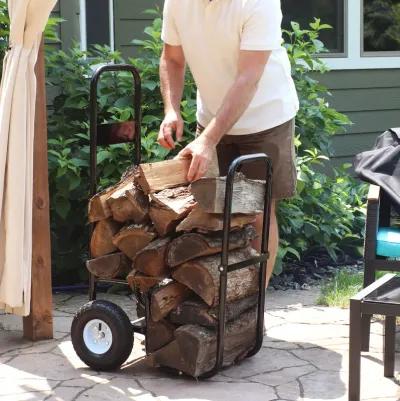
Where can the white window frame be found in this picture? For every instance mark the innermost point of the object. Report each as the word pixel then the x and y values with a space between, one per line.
pixel 82 23
pixel 356 58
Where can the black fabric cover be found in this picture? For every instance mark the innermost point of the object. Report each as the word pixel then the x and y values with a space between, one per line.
pixel 381 165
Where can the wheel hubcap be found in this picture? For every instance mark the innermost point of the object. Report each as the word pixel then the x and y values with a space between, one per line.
pixel 97 336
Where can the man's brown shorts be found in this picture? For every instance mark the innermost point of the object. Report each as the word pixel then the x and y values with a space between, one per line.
pixel 277 142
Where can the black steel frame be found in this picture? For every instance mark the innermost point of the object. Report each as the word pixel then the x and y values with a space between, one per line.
pixel 93 110
pixel 359 307
pixel 225 267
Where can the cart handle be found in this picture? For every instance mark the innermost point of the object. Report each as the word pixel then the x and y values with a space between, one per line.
pixel 225 268
pixel 93 109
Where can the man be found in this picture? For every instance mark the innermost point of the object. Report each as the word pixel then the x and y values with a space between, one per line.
pixel 246 99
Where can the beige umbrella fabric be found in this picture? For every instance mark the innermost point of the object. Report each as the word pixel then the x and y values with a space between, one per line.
pixel 17 115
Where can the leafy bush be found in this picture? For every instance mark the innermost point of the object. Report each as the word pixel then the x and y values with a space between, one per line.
pixel 69 73
pixel 327 211
pixel 4 30
pixel 306 221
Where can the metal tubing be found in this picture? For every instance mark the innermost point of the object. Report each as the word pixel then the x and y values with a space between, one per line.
pixel 355 337
pixel 94 115
pixel 225 268
pixel 93 112
pixel 389 345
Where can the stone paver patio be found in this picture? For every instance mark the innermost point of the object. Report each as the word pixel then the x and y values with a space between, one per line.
pixel 304 357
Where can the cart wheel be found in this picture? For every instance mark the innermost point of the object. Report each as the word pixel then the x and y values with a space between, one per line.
pixel 102 335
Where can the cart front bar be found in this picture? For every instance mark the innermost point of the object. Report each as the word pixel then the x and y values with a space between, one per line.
pixel 262 259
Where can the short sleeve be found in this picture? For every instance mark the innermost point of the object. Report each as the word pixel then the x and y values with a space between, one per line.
pixel 169 33
pixel 262 25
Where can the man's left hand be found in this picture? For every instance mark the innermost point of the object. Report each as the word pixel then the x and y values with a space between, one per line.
pixel 201 150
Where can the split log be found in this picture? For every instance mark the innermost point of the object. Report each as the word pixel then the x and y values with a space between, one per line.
pixel 151 260
pixel 202 277
pixel 158 334
pixel 101 242
pixel 204 222
pixel 129 203
pixel 154 177
pixel 109 266
pixel 141 282
pixel 195 347
pixel 99 209
pixel 248 195
pixel 133 238
pixel 191 246
pixel 198 312
pixel 169 207
pixel 166 298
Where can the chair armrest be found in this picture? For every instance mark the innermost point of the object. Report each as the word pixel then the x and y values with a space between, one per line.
pixel 371 230
pixel 374 193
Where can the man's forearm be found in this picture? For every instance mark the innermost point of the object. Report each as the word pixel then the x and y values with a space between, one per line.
pixel 172 77
pixel 235 103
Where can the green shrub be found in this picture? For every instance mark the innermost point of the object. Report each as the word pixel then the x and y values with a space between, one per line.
pixel 327 211
pixel 4 30
pixel 306 221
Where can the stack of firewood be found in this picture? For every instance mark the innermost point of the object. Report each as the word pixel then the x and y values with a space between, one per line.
pixel 165 237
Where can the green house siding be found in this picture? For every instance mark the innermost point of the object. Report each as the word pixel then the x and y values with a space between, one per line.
pixel 371 98
pixel 130 21
pixel 69 11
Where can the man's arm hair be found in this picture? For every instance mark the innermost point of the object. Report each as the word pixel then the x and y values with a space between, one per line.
pixel 172 77
pixel 251 67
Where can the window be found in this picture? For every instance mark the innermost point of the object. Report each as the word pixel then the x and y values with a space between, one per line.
pixel 96 23
pixel 381 27
pixel 365 34
pixel 330 12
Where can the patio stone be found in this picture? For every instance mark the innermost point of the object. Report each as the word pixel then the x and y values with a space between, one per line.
pixel 289 391
pixel 267 360
pixel 322 358
pixel 323 385
pixel 65 393
pixel 283 376
pixel 304 358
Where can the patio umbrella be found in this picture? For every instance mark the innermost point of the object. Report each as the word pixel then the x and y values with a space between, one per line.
pixel 17 114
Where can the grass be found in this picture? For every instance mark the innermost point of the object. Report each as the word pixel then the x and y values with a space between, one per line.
pixel 337 291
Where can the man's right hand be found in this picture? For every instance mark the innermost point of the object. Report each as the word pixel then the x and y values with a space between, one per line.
pixel 171 125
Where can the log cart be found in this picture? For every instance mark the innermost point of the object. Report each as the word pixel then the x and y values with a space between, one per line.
pixel 185 252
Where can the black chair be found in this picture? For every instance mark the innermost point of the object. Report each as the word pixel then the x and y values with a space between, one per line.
pixel 381 246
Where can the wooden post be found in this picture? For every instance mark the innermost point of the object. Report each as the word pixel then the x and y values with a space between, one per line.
pixel 39 324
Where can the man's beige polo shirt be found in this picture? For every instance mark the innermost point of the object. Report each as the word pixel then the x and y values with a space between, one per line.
pixel 211 34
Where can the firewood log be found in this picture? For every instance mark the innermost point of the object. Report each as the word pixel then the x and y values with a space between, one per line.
pixel 169 207
pixel 141 282
pixel 248 195
pixel 166 298
pixel 204 222
pixel 202 277
pixel 158 334
pixel 133 238
pixel 129 203
pixel 101 242
pixel 194 349
pixel 198 312
pixel 154 177
pixel 151 259
pixel 109 266
pixel 193 245
pixel 99 209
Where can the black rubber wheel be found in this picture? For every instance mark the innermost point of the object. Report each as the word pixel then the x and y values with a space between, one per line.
pixel 102 335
